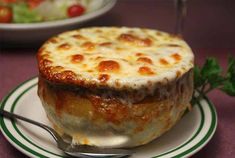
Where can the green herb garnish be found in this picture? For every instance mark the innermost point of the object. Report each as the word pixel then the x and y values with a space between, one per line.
pixel 211 76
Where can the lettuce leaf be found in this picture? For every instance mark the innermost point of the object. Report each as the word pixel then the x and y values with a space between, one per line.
pixel 22 14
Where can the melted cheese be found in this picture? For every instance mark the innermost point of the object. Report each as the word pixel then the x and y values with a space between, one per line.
pixel 115 57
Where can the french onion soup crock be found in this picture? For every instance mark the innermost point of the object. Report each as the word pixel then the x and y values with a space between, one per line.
pixel 115 86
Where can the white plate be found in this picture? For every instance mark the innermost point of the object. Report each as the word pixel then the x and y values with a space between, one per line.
pixel 38 32
pixel 189 135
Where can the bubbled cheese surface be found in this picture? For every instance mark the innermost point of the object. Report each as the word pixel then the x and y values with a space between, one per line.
pixel 114 57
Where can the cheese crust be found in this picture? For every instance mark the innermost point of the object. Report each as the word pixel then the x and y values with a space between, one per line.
pixel 119 58
pixel 115 87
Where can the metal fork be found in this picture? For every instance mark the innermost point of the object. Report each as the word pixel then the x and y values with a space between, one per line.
pixel 83 151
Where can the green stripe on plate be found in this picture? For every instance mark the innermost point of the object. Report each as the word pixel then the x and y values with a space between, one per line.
pixel 18 130
pixel 209 134
pixel 205 139
pixel 7 132
pixel 191 139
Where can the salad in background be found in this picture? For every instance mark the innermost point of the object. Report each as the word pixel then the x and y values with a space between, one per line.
pixel 32 11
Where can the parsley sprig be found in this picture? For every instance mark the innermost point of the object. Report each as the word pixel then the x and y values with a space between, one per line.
pixel 211 76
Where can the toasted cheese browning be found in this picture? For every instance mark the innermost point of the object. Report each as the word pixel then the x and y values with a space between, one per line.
pixel 108 65
pixel 77 58
pixel 113 57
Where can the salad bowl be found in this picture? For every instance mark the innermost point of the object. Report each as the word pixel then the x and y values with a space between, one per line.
pixel 28 33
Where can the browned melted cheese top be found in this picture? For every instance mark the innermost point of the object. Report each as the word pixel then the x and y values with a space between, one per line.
pixel 114 57
pixel 77 58
pixel 109 66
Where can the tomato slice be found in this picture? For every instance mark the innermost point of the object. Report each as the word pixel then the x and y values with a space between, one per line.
pixel 5 14
pixel 75 10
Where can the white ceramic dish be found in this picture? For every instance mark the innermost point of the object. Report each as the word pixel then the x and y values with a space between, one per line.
pixel 189 135
pixel 38 32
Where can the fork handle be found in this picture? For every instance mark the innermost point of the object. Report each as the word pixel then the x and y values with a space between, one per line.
pixel 82 150
pixel 13 116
